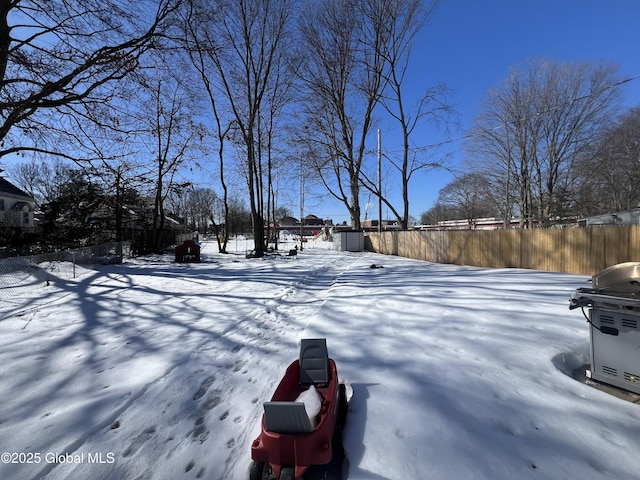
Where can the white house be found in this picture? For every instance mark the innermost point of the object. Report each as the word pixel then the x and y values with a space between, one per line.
pixel 16 206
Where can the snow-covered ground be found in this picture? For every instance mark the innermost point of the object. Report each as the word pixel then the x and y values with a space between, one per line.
pixel 157 370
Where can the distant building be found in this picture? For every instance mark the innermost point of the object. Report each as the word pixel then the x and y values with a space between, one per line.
pixel 626 217
pixel 371 225
pixel 485 223
pixel 16 206
pixel 290 223
pixel 312 220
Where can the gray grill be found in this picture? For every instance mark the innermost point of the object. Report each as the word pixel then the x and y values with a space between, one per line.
pixel 614 318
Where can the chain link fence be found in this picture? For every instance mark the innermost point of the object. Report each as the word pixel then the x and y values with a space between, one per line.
pixel 23 280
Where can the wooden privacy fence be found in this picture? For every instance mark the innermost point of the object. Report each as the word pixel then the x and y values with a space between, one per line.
pixel 570 250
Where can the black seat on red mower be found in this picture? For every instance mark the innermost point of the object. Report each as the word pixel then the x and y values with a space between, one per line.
pixel 314 362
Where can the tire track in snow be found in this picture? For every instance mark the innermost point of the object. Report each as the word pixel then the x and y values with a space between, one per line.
pixel 307 295
pixel 278 315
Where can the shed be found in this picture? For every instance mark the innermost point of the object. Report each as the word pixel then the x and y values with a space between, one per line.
pixel 348 241
pixel 188 252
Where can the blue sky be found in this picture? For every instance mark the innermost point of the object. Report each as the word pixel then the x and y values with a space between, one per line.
pixel 471 44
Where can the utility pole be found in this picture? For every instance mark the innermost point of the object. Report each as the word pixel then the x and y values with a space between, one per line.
pixel 379 182
pixel 301 204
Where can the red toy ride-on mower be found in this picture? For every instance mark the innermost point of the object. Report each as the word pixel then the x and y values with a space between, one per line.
pixel 301 437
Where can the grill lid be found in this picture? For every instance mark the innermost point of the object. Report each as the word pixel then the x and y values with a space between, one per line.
pixel 623 278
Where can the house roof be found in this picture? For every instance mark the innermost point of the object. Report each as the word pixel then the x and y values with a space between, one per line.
pixel 8 188
pixel 624 217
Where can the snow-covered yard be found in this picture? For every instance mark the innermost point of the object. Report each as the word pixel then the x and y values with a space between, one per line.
pixel 157 370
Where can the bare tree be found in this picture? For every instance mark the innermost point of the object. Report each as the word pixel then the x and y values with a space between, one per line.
pixel 242 48
pixel 437 213
pixel 608 177
pixel 198 44
pixel 342 73
pixel 278 97
pixel 534 126
pixel 58 60
pixel 579 101
pixel 196 206
pixel 167 135
pixel 399 21
pixel 40 180
pixel 122 180
pixel 468 196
